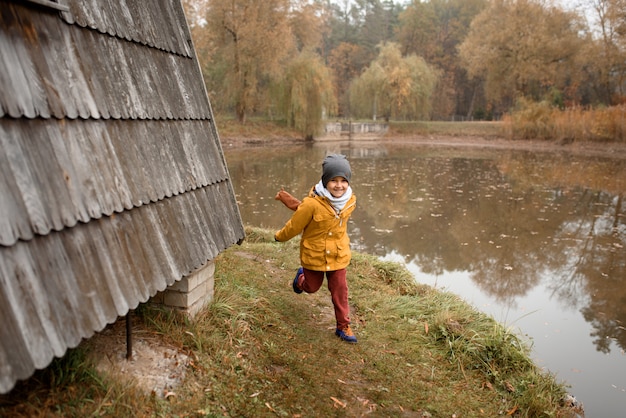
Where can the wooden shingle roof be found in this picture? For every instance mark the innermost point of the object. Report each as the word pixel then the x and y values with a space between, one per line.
pixel 113 184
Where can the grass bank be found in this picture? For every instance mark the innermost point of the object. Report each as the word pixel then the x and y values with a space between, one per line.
pixel 259 350
pixel 480 129
pixel 530 121
pixel 257 130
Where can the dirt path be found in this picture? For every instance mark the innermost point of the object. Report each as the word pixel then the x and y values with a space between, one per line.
pixel 586 148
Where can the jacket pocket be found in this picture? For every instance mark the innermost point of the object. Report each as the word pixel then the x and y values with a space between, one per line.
pixel 313 253
pixel 343 253
pixel 324 221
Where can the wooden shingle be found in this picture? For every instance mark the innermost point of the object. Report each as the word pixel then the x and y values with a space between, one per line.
pixel 113 183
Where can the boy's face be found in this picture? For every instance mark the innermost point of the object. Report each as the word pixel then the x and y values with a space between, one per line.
pixel 337 186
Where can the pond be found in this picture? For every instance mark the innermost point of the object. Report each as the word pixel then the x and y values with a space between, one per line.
pixel 534 239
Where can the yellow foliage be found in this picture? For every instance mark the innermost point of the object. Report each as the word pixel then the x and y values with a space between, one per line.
pixel 541 121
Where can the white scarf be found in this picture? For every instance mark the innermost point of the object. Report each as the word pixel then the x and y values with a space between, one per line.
pixel 338 203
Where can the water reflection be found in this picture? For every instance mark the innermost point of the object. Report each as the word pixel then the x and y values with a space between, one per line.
pixel 515 223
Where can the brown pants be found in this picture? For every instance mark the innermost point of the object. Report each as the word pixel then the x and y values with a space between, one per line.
pixel 338 287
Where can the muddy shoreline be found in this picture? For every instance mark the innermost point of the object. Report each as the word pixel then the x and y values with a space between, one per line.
pixel 608 149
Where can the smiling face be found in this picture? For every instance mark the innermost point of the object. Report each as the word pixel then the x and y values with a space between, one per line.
pixel 337 186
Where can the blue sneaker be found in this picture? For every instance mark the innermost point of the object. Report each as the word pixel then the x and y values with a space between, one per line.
pixel 346 334
pixel 295 281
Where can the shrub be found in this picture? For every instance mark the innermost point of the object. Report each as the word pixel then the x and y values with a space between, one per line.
pixel 540 120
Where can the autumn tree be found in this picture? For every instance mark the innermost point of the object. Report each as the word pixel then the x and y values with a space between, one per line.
pixel 308 24
pixel 523 48
pixel 252 40
pixel 346 62
pixel 356 27
pixel 394 86
pixel 417 32
pixel 434 30
pixel 609 56
pixel 307 93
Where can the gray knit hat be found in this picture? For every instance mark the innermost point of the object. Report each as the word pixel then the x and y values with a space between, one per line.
pixel 335 165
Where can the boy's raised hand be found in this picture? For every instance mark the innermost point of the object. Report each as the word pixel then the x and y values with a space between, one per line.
pixel 287 199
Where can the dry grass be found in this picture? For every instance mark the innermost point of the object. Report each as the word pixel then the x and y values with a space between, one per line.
pixel 530 121
pixel 261 350
pixel 480 129
pixel 544 122
pixel 255 129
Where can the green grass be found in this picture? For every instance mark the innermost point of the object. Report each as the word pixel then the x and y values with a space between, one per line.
pixel 260 350
pixel 433 128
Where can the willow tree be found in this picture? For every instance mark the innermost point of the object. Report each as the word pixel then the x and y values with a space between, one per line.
pixel 251 41
pixel 307 93
pixel 346 62
pixel 394 86
pixel 366 92
pixel 523 48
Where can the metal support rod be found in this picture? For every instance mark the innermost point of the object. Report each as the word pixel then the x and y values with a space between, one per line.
pixel 129 336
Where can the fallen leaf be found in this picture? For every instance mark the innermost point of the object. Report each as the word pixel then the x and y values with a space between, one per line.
pixel 509 387
pixel 426 327
pixel 338 402
pixel 269 407
pixel 511 411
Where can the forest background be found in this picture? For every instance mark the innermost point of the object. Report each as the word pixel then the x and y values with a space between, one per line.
pixel 299 62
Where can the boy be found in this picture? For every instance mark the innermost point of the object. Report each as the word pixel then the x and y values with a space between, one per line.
pixel 322 218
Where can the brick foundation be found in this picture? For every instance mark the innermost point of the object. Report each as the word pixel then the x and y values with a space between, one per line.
pixel 191 293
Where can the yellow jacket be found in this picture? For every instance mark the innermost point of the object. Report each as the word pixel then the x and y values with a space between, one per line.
pixel 325 244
